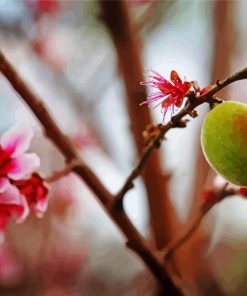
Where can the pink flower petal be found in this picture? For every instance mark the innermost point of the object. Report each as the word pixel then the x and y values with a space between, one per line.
pixel 11 196
pixel 9 268
pixel 20 216
pixel 14 205
pixel 23 165
pixel 4 184
pixel 17 140
pixel 41 207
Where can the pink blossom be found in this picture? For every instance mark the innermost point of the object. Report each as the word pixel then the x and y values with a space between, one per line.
pixel 15 163
pixel 13 205
pixel 10 269
pixel 170 94
pixel 35 193
pixel 84 138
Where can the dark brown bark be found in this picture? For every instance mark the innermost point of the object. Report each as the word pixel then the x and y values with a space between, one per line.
pixel 127 44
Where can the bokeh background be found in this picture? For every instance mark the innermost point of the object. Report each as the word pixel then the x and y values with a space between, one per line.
pixel 64 50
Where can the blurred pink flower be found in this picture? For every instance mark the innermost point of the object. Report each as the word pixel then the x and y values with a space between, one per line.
pixel 53 249
pixel 10 270
pixel 171 94
pixel 13 205
pixel 14 162
pixel 41 7
pixel 84 137
pixel 35 193
pixel 48 6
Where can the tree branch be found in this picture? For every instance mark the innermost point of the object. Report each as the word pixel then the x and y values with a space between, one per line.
pixel 174 122
pixel 64 172
pixel 204 209
pixel 66 147
pixel 127 45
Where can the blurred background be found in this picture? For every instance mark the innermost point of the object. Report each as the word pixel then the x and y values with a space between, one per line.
pixel 71 55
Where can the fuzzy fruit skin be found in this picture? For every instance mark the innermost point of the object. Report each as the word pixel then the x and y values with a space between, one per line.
pixel 224 141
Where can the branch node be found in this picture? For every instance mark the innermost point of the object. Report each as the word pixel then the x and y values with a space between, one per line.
pixel 157 143
pixel 70 166
pixel 180 124
pixel 191 97
pixel 219 83
pixel 168 255
pixel 118 205
pixel 193 113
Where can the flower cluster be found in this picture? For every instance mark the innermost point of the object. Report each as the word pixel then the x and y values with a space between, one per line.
pixel 18 193
pixel 170 94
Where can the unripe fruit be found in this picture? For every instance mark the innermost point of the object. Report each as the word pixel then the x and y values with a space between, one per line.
pixel 224 141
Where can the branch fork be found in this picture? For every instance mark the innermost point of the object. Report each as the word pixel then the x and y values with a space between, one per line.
pixel 135 241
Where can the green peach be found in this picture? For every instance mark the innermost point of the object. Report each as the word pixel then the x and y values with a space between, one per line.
pixel 224 141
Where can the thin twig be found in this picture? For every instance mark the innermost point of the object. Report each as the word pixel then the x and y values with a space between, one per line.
pixel 204 209
pixel 64 172
pixel 190 106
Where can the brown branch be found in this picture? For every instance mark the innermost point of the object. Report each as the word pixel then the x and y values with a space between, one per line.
pixel 204 209
pixel 66 147
pixel 127 44
pixel 174 122
pixel 64 172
